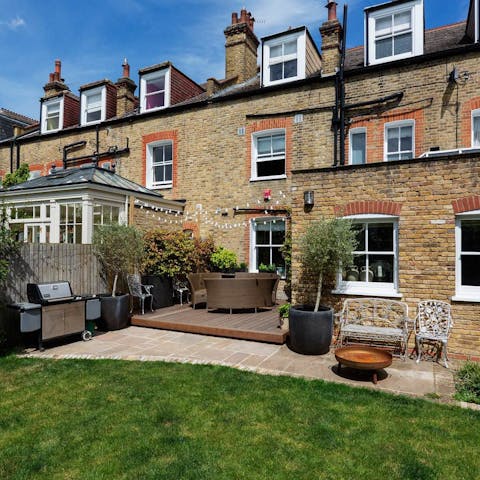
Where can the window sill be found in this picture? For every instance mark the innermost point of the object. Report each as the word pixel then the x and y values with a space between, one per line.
pixel 368 292
pixel 263 179
pixel 161 187
pixel 465 298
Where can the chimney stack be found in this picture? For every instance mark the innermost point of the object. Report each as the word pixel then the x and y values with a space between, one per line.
pixel 331 33
pixel 55 83
pixel 241 48
pixel 126 100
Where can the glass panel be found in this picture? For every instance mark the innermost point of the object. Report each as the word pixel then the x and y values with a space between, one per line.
pixel 78 214
pixel 70 213
pixel 382 267
pixel 392 139
pixel 63 213
pixel 277 258
pixel 403 44
pixel 278 143
pixel 156 100
pixel 47 233
pixel 168 152
pixel 360 228
pixel 264 145
pixel 267 169
pixel 276 51
pixel 403 20
pixel 476 131
pixel 156 85
pixel 383 48
pixel 263 256
pixel 158 173
pixel 470 235
pixel 263 237
pixel 383 25
pixel 53 123
pixel 276 72
pixel 94 116
pixel 471 270
pixel 406 156
pixel 395 156
pixel 94 101
pixel 47 211
pixel 352 273
pixel 17 230
pixel 290 69
pixel 278 236
pixel 290 48
pixel 25 212
pixel 168 173
pixel 78 234
pixel 358 147
pixel 406 134
pixel 63 234
pixel 380 237
pixel 53 109
pixel 158 154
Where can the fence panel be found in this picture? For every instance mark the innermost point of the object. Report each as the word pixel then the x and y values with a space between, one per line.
pixel 49 262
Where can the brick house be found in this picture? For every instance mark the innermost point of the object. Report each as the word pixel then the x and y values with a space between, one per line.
pixel 388 135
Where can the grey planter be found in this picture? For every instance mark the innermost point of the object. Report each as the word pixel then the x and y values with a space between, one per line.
pixel 310 332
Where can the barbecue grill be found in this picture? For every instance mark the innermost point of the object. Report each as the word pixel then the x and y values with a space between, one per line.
pixel 62 312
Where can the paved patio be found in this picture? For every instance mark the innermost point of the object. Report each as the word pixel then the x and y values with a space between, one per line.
pixel 146 344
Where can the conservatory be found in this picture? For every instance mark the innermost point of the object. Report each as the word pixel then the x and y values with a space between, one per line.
pixel 67 205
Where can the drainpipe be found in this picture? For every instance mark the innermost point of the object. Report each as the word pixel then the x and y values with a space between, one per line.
pixel 341 74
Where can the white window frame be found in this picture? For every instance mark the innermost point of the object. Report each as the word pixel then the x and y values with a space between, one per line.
pixel 84 102
pixel 150 165
pixel 475 114
pixel 300 37
pixel 464 293
pixel 398 124
pixel 255 137
pixel 45 105
pixel 377 289
pixel 356 131
pixel 164 72
pixel 417 27
pixel 253 241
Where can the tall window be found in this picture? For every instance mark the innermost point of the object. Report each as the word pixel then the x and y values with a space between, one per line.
pixel 268 155
pixel 399 140
pixel 395 32
pixel 468 256
pixel 105 215
pixel 93 105
pixel 374 268
pixel 358 146
pixel 284 58
pixel 476 128
pixel 71 223
pixel 160 164
pixel 155 90
pixel 52 115
pixel 268 238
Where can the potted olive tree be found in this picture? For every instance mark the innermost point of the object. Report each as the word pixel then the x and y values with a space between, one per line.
pixel 326 246
pixel 120 250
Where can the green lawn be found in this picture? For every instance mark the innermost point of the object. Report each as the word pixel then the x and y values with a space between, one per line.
pixel 91 419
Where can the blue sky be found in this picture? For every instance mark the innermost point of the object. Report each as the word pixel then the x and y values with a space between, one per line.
pixel 91 38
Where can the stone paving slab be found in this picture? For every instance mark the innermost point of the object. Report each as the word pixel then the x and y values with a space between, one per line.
pixel 145 344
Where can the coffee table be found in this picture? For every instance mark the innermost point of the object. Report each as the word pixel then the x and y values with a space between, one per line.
pixel 363 358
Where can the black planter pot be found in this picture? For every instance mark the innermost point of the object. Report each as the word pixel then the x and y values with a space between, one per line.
pixel 310 332
pixel 115 312
pixel 162 290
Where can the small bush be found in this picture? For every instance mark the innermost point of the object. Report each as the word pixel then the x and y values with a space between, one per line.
pixel 267 268
pixel 467 383
pixel 224 260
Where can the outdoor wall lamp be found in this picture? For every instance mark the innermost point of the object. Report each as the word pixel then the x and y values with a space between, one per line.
pixel 308 198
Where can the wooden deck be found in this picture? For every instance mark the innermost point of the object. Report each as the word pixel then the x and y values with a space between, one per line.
pixel 261 326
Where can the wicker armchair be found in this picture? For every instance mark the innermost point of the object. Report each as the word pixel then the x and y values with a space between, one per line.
pixel 140 291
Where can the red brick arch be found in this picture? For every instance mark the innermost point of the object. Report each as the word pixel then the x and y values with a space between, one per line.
pixel 466 204
pixel 379 207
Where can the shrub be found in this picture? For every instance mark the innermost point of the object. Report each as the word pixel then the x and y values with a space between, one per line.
pixel 175 254
pixel 18 176
pixel 467 383
pixel 224 260
pixel 284 310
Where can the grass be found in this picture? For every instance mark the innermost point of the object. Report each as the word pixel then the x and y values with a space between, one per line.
pixel 95 419
pixel 467 383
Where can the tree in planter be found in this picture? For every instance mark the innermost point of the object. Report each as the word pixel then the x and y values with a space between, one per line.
pixel 224 260
pixel 326 245
pixel 120 249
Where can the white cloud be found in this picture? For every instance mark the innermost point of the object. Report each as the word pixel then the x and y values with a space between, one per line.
pixel 14 23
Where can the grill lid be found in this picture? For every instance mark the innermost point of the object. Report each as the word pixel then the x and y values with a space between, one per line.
pixel 49 292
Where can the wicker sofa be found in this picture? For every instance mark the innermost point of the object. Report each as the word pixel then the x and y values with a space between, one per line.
pixel 199 295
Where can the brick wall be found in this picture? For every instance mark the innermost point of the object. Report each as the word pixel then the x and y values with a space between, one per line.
pixel 182 87
pixel 425 195
pixel 71 111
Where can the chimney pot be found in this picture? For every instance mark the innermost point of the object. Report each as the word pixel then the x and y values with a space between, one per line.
pixel 126 69
pixel 234 18
pixel 332 10
pixel 243 16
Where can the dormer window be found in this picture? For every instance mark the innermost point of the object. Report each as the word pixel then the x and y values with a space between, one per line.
pixel 52 115
pixel 155 90
pixel 394 32
pixel 284 57
pixel 93 105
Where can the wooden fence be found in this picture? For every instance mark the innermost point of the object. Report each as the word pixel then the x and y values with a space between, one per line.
pixel 43 262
